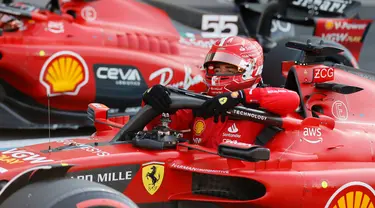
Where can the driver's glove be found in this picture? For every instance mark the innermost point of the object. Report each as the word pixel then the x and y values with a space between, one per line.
pixel 158 98
pixel 220 104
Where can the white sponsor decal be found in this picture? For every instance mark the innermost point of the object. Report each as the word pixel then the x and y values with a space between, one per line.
pixel 89 13
pixel 324 5
pixel 272 91
pixel 191 41
pixel 339 110
pixel 231 135
pixel 278 25
pixel 341 37
pixel 3 170
pixel 232 132
pixel 25 155
pixel 129 78
pixel 188 168
pixel 107 177
pixel 55 27
pixel 312 135
pixel 197 140
pixel 233 128
pixel 85 147
pixel 349 26
pixel 221 25
pixel 312 132
pixel 251 115
pixel 166 75
pixel 323 73
pixel 236 142
pixel 99 105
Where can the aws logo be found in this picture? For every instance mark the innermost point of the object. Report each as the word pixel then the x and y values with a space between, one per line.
pixel 64 73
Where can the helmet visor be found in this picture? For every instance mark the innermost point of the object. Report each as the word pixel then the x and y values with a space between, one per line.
pixel 226 58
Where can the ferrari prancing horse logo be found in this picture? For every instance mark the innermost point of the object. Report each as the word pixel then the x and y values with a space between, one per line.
pixel 152 176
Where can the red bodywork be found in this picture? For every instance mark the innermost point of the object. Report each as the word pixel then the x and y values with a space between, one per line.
pixel 314 162
pixel 112 50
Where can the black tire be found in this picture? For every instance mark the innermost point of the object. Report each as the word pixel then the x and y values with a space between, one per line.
pixel 272 60
pixel 66 193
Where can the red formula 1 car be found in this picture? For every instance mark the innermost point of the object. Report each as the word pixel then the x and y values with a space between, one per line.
pixel 93 51
pixel 75 52
pixel 322 155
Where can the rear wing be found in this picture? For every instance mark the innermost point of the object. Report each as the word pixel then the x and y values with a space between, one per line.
pixel 329 8
pixel 334 20
pixel 351 33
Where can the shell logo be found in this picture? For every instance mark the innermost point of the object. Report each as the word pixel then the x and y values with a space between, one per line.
pixel 199 127
pixel 352 195
pixel 329 25
pixel 64 73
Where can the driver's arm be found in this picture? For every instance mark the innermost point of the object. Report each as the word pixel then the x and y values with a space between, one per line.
pixel 276 100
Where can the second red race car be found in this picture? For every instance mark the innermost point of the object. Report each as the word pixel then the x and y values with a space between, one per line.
pixel 321 155
pixel 98 51
pixel 71 53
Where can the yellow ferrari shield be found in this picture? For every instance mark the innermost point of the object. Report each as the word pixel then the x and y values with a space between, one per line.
pixel 152 177
pixel 223 100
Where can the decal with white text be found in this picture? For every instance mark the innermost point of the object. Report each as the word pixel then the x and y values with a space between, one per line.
pixel 312 135
pixel 219 26
pixel 194 169
pixel 340 110
pixel 88 13
pixel 166 75
pixel 116 177
pixel 15 156
pixel 335 6
pixel 119 82
pixel 85 147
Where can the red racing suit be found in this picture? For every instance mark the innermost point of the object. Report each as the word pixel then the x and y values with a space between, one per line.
pixel 210 134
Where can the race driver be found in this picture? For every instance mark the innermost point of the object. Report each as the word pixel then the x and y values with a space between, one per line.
pixel 233 68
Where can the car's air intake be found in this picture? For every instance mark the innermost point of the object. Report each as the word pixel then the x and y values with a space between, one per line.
pixel 233 188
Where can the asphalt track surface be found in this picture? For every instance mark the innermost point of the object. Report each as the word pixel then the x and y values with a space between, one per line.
pixel 17 138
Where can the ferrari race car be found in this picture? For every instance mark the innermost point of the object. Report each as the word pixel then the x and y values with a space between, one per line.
pixel 72 53
pixel 322 155
pixel 272 20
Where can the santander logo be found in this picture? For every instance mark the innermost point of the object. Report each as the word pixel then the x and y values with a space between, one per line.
pixel 233 129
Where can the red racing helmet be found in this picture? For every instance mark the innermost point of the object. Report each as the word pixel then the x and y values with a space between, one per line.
pixel 246 55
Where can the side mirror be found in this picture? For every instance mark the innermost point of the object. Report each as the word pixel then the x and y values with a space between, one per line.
pixel 321 121
pixel 98 113
pixel 286 66
pixel 243 151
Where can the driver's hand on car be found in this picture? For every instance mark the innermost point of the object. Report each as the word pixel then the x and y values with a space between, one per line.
pixel 158 98
pixel 219 105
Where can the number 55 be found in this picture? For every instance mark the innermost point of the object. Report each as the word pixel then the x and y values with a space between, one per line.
pixel 219 23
